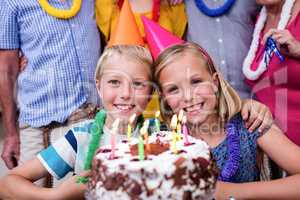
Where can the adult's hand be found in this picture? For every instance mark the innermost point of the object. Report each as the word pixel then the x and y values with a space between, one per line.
pixel 256 115
pixel 11 150
pixel 288 44
pixel 9 69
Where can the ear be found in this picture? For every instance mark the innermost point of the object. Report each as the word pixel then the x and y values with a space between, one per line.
pixel 216 82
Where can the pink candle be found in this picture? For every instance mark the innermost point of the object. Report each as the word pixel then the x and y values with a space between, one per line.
pixel 185 131
pixel 113 138
pixel 113 146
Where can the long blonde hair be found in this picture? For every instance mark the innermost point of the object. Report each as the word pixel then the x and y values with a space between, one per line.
pixel 229 102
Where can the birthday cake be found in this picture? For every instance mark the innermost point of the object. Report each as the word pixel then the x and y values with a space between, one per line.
pixel 163 173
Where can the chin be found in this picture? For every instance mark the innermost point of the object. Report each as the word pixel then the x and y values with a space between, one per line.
pixel 195 120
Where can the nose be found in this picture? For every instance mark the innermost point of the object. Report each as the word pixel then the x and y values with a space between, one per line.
pixel 125 92
pixel 188 96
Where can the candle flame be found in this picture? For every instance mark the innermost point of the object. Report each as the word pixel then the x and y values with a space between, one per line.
pixel 143 131
pixel 157 113
pixel 184 119
pixel 115 125
pixel 174 122
pixel 146 124
pixel 180 115
pixel 132 118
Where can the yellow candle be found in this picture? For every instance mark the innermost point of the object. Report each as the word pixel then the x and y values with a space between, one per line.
pixel 129 127
pixel 128 132
pixel 174 134
pixel 179 127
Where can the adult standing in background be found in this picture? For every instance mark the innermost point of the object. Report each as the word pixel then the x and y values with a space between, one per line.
pixel 57 86
pixel 275 82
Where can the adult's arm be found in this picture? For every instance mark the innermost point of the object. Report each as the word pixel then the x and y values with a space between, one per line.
pixel 9 67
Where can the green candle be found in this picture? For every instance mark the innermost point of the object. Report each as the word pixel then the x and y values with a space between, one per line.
pixel 141 148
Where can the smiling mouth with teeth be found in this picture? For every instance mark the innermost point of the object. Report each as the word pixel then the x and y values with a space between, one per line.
pixel 124 107
pixel 194 107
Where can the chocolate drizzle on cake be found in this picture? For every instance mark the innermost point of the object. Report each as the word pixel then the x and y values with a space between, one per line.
pixel 155 149
pixel 161 175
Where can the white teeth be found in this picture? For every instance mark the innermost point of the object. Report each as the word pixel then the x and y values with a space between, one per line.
pixel 124 107
pixel 194 107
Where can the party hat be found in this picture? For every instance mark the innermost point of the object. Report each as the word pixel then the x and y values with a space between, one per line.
pixel 158 38
pixel 126 31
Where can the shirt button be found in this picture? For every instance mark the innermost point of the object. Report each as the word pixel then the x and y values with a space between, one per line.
pixel 77 47
pixel 223 62
pixel 220 40
pixel 218 19
pixel 72 25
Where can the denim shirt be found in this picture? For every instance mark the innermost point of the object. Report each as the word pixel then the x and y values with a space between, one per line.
pixel 62 56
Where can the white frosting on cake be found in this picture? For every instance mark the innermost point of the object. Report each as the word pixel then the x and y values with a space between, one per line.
pixel 158 169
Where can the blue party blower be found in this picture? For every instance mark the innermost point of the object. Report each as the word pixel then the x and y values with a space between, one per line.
pixel 271 48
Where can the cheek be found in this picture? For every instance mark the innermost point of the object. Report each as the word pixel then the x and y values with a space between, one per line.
pixel 142 97
pixel 108 95
pixel 205 91
pixel 174 102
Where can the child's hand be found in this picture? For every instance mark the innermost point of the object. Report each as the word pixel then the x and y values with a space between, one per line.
pixel 70 189
pixel 256 115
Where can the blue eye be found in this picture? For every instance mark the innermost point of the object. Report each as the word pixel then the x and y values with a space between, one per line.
pixel 138 84
pixel 114 83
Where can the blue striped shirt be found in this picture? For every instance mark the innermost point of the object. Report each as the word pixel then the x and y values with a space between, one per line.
pixel 62 56
pixel 68 153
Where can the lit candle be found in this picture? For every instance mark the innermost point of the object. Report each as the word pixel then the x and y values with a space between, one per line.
pixel 141 145
pixel 157 122
pixel 113 138
pixel 174 134
pixel 180 115
pixel 129 129
pixel 178 128
pixel 185 131
pixel 146 135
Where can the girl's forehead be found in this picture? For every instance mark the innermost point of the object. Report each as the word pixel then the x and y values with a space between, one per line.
pixel 130 70
pixel 186 66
